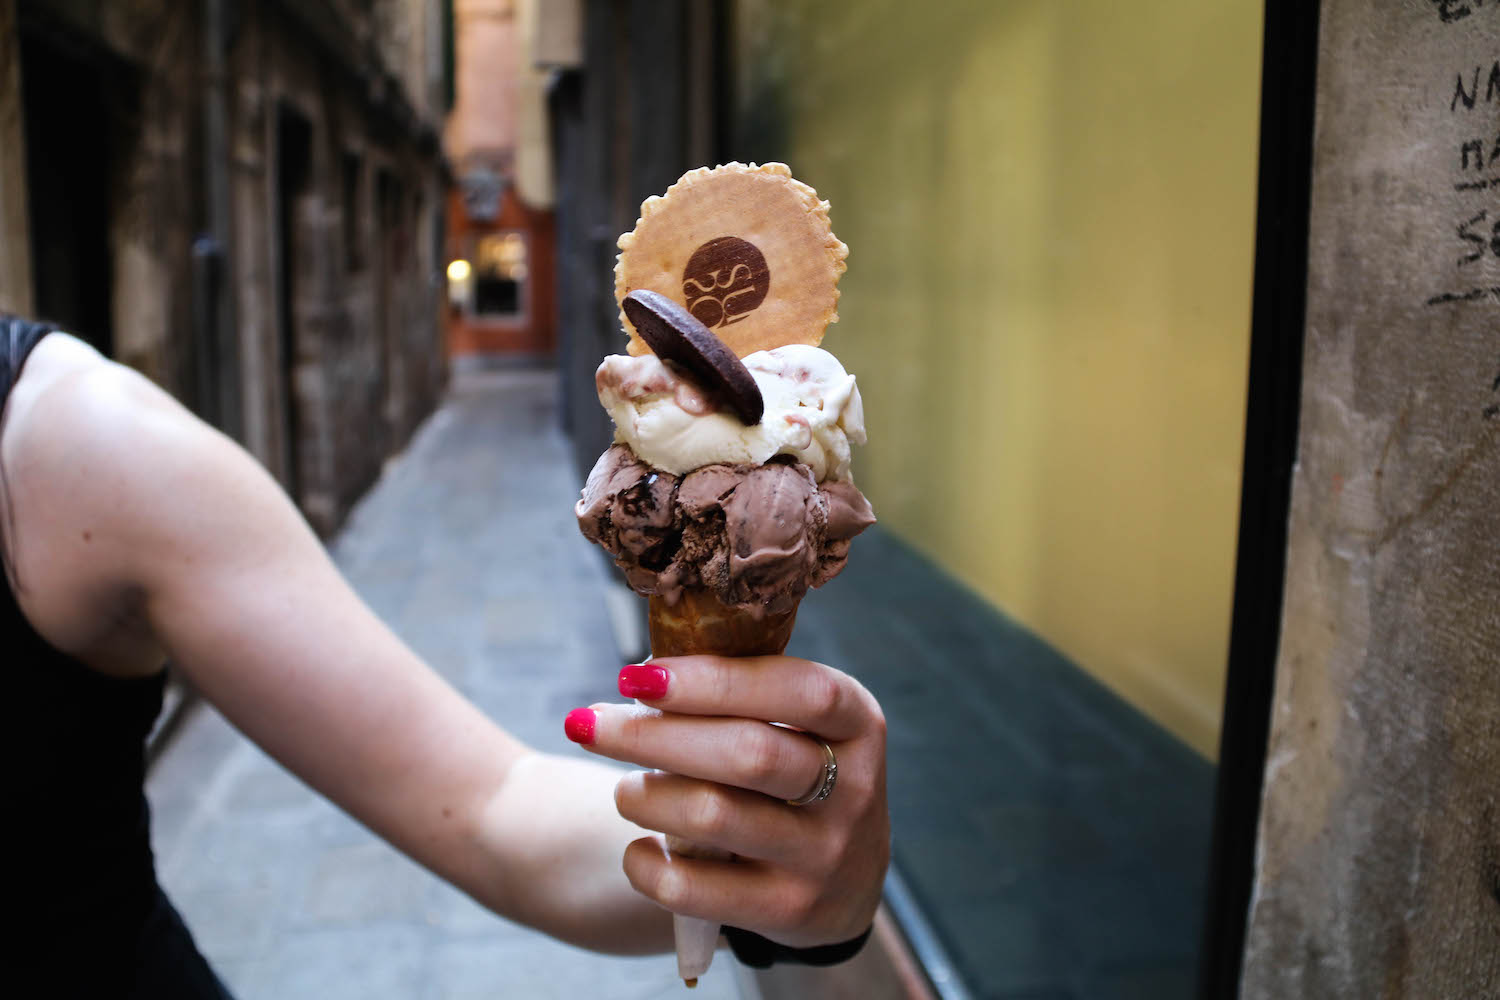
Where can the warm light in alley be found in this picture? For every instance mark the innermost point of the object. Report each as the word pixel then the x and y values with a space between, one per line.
pixel 458 270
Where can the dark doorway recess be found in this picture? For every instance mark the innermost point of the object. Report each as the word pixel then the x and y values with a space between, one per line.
pixel 80 109
pixel 293 180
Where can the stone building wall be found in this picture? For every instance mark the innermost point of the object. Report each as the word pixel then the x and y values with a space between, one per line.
pixel 325 352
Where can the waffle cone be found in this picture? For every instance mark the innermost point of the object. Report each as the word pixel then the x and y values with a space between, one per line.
pixel 700 623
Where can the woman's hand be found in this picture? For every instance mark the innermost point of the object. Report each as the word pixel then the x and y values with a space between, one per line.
pixel 804 875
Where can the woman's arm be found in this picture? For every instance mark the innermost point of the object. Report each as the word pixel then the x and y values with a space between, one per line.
pixel 127 507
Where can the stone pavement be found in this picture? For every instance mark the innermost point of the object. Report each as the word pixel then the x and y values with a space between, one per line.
pixel 467 547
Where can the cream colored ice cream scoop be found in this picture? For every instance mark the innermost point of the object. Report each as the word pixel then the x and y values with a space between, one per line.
pixel 813 412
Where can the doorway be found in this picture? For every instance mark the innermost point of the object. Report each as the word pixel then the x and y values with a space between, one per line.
pixel 78 105
pixel 293 181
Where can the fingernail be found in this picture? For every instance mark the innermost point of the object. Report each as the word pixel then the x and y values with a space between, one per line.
pixel 644 680
pixel 579 725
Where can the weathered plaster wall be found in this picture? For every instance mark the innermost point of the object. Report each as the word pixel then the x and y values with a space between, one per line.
pixel 154 200
pixel 487 67
pixel 15 254
pixel 1379 865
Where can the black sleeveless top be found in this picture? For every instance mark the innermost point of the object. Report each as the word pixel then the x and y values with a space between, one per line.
pixel 92 920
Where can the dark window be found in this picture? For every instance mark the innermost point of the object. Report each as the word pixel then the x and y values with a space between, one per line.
pixel 500 267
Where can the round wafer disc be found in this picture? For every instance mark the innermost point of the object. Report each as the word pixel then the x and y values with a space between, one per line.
pixel 748 250
pixel 674 334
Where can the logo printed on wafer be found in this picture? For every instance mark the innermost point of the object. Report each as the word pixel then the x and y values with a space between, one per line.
pixel 724 280
pixel 709 243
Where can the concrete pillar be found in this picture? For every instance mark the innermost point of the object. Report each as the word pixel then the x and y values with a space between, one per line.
pixel 15 226
pixel 1378 868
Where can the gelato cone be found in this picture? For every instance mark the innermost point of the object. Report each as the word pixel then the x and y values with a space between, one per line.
pixel 701 623
pixel 698 622
pixel 727 493
pixel 696 939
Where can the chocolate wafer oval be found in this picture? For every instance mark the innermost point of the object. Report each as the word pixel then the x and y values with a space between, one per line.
pixel 746 249
pixel 674 334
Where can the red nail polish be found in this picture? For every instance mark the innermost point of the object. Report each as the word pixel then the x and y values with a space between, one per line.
pixel 579 725
pixel 644 680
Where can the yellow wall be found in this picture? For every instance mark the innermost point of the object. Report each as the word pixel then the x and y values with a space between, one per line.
pixel 1050 210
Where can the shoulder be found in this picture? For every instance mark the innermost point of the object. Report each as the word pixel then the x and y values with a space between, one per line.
pixel 102 471
pixel 83 435
pixel 70 393
pixel 68 387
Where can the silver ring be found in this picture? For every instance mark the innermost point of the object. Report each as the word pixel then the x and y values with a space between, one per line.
pixel 824 787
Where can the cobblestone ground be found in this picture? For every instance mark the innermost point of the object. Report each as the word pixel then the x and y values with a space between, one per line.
pixel 468 549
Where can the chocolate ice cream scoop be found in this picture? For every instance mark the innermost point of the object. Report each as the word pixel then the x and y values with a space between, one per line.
pixel 755 536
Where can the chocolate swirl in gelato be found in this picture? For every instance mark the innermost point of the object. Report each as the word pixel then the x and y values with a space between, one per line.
pixel 758 536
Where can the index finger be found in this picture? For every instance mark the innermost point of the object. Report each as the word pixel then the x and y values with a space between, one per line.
pixel 801 693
